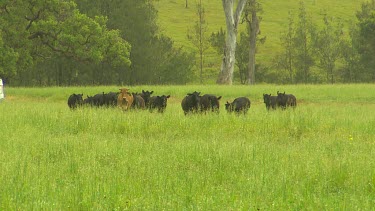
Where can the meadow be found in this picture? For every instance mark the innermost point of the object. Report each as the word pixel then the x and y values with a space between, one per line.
pixel 318 156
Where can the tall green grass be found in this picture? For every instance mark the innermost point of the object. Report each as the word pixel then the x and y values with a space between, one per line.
pixel 318 156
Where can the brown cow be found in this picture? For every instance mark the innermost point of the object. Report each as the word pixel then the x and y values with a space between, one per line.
pixel 124 99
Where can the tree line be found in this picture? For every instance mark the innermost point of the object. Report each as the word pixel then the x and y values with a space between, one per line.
pixel 324 54
pixel 311 52
pixel 81 42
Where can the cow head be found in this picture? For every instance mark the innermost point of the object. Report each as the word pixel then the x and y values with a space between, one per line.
pixel 79 99
pixel 146 96
pixel 195 97
pixel 163 99
pixel 281 99
pixel 88 100
pixel 267 98
pixel 229 107
pixel 125 99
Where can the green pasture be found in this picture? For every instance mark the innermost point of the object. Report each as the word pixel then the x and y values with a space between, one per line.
pixel 319 156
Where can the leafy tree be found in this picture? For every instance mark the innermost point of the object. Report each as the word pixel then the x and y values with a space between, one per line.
pixel 328 45
pixel 136 20
pixel 217 40
pixel 303 46
pixel 242 58
pixel 286 59
pixel 253 7
pixel 198 36
pixel 35 31
pixel 353 68
pixel 366 33
pixel 8 60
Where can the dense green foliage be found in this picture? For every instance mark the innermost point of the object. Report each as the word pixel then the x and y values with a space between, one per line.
pixel 154 58
pixel 68 42
pixel 318 156
pixel 34 33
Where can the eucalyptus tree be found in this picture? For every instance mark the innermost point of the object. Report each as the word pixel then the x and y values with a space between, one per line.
pixel 251 17
pixel 232 19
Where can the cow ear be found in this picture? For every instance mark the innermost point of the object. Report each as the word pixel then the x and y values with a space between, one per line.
pixel 151 92
pixel 168 96
pixel 219 98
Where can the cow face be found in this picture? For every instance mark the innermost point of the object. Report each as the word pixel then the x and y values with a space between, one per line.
pixel 163 100
pixel 195 97
pixel 158 102
pixel 124 99
pixel 282 98
pixel 267 99
pixel 146 96
pixel 228 106
pixel 79 99
pixel 89 100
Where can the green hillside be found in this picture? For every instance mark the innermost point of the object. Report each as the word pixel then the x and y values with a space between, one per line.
pixel 175 19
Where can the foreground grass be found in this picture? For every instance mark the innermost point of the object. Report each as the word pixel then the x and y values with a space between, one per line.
pixel 319 156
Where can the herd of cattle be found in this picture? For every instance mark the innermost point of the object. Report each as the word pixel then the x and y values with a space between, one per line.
pixel 192 102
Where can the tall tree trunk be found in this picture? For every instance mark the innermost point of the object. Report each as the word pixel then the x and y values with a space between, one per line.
pixel 232 20
pixel 254 31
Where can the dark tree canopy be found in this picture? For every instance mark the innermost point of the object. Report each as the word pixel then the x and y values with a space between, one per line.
pixel 33 32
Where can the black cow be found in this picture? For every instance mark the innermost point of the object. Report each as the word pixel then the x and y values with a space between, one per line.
pixel 146 95
pixel 110 99
pixel 209 102
pixel 190 103
pixel 138 102
pixel 88 101
pixel 158 102
pixel 75 100
pixel 286 100
pixel 241 104
pixel 270 101
pixel 96 100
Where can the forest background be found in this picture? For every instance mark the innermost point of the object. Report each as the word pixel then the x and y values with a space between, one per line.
pixel 81 42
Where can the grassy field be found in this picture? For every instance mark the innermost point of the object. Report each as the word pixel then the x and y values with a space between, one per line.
pixel 175 20
pixel 319 156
